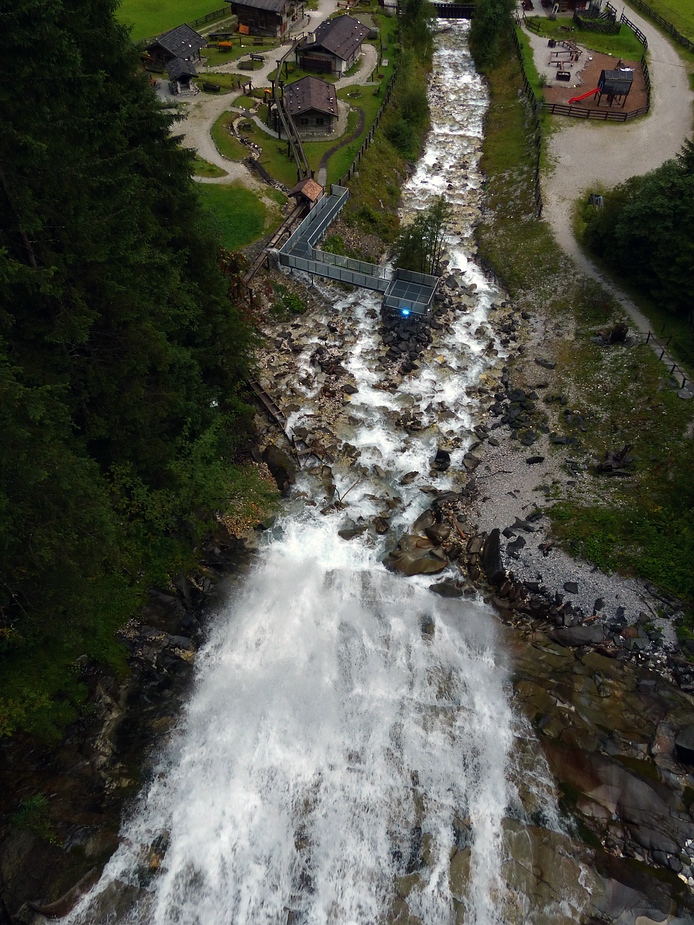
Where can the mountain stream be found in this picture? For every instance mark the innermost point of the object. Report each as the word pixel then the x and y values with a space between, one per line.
pixel 350 750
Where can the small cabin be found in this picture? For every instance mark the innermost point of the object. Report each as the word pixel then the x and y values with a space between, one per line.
pixel 312 104
pixel 307 193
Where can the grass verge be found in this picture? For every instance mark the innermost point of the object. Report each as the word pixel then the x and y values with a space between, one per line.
pixel 237 212
pixel 155 16
pixel 623 45
pixel 203 168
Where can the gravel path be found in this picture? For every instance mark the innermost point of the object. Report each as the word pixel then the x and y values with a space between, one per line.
pixel 203 110
pixel 585 153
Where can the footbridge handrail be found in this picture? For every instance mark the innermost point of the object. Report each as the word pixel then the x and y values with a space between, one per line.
pixel 290 128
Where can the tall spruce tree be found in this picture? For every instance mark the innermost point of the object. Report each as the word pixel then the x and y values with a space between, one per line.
pixel 120 353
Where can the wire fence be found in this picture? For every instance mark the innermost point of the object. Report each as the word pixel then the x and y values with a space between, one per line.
pixel 660 348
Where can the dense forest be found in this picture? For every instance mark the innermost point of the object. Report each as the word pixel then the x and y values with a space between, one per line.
pixel 121 354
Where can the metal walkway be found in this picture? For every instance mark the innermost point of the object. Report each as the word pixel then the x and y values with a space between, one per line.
pixel 404 291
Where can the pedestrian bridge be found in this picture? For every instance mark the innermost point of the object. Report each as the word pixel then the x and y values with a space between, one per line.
pixel 403 291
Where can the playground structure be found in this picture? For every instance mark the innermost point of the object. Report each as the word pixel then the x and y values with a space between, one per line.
pixel 615 85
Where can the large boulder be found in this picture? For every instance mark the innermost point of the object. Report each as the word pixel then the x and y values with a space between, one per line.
pixel 281 467
pixel 491 558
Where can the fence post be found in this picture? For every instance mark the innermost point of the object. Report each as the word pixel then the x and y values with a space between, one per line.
pixel 649 337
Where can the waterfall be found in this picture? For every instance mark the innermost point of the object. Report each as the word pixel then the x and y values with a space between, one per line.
pixel 349 732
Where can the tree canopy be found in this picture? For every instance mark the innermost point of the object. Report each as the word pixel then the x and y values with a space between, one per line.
pixel 120 352
pixel 646 231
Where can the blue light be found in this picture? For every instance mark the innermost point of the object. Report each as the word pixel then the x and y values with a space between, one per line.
pixel 406 312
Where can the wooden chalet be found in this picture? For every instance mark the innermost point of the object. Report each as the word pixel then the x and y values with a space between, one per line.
pixel 264 17
pixel 312 104
pixel 182 42
pixel 335 47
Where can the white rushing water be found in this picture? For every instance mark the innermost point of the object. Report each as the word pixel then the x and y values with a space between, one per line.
pixel 348 728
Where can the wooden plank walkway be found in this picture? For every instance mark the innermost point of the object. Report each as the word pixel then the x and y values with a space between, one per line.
pixel 301 449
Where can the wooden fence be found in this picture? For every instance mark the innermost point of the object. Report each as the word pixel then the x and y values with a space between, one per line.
pixel 664 24
pixel 343 181
pixel 580 112
pixel 660 350
pixel 535 138
pixel 214 16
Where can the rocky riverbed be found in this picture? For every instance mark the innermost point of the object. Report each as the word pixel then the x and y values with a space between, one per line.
pixel 598 670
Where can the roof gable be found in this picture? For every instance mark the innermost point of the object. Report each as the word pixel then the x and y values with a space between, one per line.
pixel 179 67
pixel 310 93
pixel 341 37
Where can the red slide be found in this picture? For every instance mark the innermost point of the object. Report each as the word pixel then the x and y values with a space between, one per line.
pixel 575 99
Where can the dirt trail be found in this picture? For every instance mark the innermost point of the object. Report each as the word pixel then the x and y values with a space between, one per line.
pixel 585 153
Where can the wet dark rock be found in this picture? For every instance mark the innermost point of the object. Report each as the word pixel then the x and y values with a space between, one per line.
pixel 513 549
pixel 684 744
pixel 571 587
pixel 546 364
pixel 438 533
pixel 446 589
pixel 281 467
pixel 348 533
pixel 534 460
pixel 442 460
pixel 578 635
pixel 491 557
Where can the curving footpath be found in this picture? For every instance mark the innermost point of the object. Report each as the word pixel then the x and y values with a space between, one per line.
pixel 584 153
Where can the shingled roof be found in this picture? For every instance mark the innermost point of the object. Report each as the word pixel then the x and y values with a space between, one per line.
pixel 341 37
pixel 178 67
pixel 272 6
pixel 181 42
pixel 310 93
pixel 307 188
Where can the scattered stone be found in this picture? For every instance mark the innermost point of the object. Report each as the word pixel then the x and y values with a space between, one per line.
pixel 534 460
pixel 571 587
pixel 546 364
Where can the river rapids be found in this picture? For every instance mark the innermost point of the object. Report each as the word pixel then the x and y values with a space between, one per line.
pixel 350 750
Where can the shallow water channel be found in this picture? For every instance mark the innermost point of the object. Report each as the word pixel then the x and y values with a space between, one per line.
pixel 350 751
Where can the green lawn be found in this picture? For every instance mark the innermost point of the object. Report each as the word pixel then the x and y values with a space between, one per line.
pixel 678 12
pixel 237 212
pixel 203 168
pixel 151 17
pixel 226 144
pixel 625 45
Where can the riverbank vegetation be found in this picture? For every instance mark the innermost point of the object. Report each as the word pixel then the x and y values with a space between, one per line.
pixel 644 230
pixel 639 524
pixel 122 359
